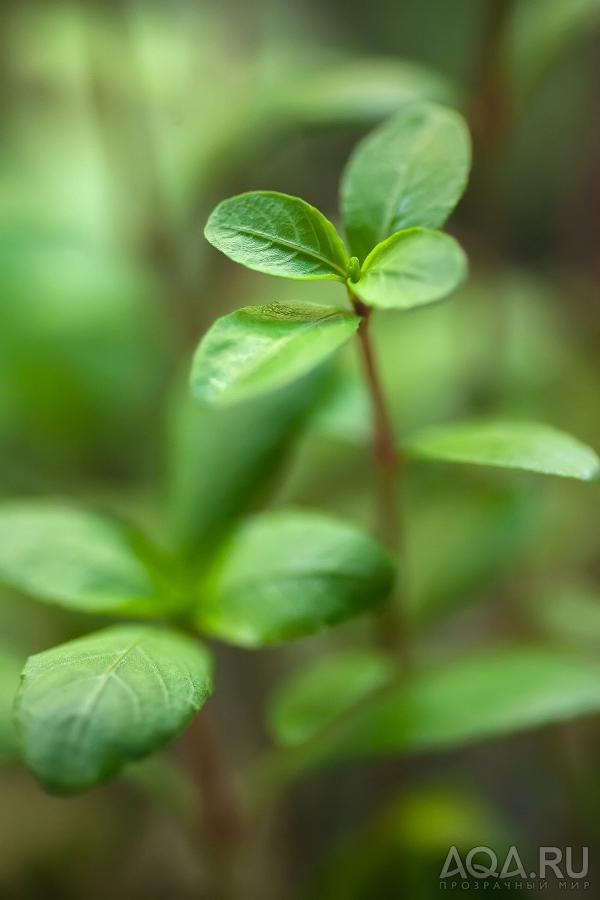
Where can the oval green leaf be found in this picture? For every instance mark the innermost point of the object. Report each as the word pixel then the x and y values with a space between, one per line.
pixel 330 687
pixel 279 235
pixel 411 268
pixel 487 695
pixel 410 172
pixel 514 445
pixel 72 558
pixel 259 349
pixel 88 707
pixel 288 574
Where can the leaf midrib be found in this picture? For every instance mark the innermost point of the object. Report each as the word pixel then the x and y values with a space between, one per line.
pixel 278 345
pixel 255 232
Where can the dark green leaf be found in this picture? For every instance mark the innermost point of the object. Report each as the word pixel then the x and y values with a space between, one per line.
pixel 411 268
pixel 279 235
pixel 514 445
pixel 90 706
pixel 287 574
pixel 79 560
pixel 258 349
pixel 324 691
pixel 409 172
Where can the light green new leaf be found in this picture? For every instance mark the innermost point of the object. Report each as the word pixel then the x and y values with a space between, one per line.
pixel 279 235
pixel 258 349
pixel 287 574
pixel 88 707
pixel 505 690
pixel 409 172
pixel 11 664
pixel 79 560
pixel 411 268
pixel 514 445
pixel 326 690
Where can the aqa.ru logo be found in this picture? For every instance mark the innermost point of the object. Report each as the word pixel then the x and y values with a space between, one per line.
pixel 550 860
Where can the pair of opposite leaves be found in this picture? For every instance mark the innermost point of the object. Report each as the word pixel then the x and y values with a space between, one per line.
pixel 400 185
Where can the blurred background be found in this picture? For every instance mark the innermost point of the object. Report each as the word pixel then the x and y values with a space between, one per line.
pixel 123 123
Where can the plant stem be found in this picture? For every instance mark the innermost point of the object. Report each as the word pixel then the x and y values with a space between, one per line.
pixel 223 822
pixel 388 465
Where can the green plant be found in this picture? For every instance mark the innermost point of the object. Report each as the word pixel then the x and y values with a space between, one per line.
pixel 88 707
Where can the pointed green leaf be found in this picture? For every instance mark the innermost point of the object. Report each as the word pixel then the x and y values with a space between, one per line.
pixel 484 696
pixel 411 268
pixel 514 445
pixel 328 688
pixel 287 574
pixel 258 349
pixel 487 695
pixel 279 235
pixel 411 171
pixel 82 561
pixel 88 707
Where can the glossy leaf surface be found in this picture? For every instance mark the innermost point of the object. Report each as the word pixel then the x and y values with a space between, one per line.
pixel 279 235
pixel 409 172
pixel 411 268
pixel 259 349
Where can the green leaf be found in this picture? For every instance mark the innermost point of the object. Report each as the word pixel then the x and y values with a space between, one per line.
pixel 411 268
pixel 88 707
pixel 81 561
pixel 279 235
pixel 514 445
pixel 11 664
pixel 324 691
pixel 411 171
pixel 359 90
pixel 222 460
pixel 261 348
pixel 508 689
pixel 287 574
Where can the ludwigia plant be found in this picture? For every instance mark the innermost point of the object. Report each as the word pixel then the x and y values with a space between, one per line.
pixel 88 707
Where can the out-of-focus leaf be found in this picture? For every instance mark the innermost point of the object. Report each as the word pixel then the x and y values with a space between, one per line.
pixel 503 690
pixel 258 349
pixel 81 561
pixel 361 90
pixel 316 696
pixel 497 523
pixel 408 843
pixel 287 574
pixel 279 235
pixel 409 172
pixel 411 268
pixel 222 459
pixel 88 707
pixel 11 664
pixel 515 445
pixel 569 613
pixel 540 31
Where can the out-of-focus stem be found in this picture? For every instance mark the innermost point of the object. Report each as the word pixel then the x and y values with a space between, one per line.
pixel 223 822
